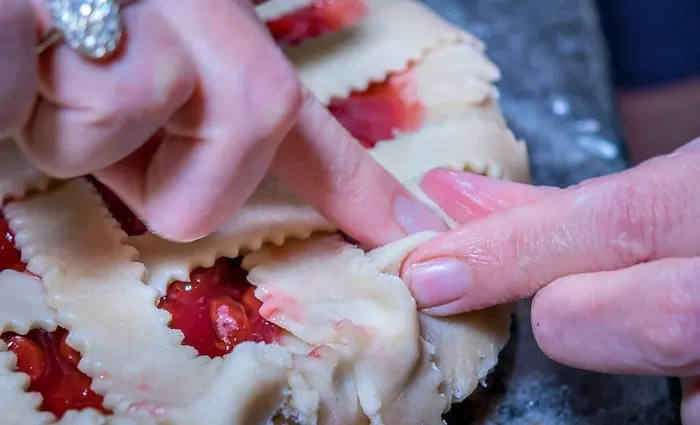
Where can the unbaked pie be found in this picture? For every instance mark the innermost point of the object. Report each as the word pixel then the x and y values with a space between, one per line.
pixel 274 318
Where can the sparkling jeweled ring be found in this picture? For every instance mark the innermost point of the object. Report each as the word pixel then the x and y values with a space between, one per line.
pixel 91 27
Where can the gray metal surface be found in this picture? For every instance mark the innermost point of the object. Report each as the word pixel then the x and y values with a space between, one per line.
pixel 556 96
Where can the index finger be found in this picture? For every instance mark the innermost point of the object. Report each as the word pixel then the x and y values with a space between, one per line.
pixel 18 75
pixel 613 222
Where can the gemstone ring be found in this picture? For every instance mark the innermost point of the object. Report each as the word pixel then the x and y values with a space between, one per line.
pixel 93 28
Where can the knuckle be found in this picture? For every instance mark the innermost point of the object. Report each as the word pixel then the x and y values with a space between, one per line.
pixel 670 343
pixel 628 223
pixel 674 325
pixel 286 99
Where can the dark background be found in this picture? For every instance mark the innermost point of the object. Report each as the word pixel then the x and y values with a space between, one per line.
pixel 556 95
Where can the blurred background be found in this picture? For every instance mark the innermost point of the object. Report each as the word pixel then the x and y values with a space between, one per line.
pixel 558 94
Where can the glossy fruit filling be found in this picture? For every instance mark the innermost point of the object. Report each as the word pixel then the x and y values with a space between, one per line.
pixel 216 309
pixel 382 110
pixel 10 258
pixel 52 368
pixel 320 17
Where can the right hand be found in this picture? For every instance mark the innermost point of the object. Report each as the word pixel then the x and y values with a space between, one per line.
pixel 209 73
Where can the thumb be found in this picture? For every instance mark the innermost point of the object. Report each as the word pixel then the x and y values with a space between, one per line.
pixel 613 222
pixel 466 196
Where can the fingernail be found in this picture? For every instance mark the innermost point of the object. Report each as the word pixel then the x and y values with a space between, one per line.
pixel 438 282
pixel 414 216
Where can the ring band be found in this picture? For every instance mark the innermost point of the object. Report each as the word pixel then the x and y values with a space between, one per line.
pixel 93 28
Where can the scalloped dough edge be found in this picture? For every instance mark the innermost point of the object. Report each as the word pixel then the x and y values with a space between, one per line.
pixel 394 34
pixel 273 9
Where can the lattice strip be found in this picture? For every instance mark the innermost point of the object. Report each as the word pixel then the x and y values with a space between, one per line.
pixel 470 143
pixel 271 215
pixel 95 285
pixel 394 34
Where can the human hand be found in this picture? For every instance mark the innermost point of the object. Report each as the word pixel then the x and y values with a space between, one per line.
pixel 613 264
pixel 209 74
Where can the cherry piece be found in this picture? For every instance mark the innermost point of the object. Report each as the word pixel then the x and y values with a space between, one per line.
pixel 53 372
pixel 381 111
pixel 321 17
pixel 217 309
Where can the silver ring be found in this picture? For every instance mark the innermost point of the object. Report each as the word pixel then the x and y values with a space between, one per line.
pixel 93 28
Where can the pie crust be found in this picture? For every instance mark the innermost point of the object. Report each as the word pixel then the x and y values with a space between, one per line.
pixel 351 347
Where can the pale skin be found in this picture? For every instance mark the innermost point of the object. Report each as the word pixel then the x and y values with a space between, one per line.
pixel 206 71
pixel 613 263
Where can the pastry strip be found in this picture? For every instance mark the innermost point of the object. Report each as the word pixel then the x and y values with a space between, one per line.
pixel 468 144
pixel 367 317
pixel 394 34
pixel 135 360
pixel 22 304
pixel 91 277
pixel 455 81
pixel 272 215
pixel 466 345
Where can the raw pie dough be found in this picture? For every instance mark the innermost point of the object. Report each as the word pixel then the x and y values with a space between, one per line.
pixel 353 349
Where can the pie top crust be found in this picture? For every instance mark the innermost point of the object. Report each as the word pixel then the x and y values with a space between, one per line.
pixel 345 344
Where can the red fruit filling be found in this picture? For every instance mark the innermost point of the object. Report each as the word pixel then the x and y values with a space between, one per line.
pixel 10 258
pixel 217 309
pixel 321 17
pixel 382 110
pixel 52 367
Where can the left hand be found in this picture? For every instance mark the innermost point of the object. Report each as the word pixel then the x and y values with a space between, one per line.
pixel 613 263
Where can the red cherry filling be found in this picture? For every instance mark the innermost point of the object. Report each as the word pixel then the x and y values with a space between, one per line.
pixel 382 110
pixel 52 367
pixel 321 17
pixel 217 309
pixel 10 258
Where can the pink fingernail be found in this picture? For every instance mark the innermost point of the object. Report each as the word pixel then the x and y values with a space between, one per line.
pixel 438 282
pixel 413 216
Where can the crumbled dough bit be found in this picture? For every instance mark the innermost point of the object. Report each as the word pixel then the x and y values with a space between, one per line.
pixel 17 175
pixel 465 144
pixel 273 9
pixel 366 317
pixel 273 214
pixel 394 34
pixel 23 305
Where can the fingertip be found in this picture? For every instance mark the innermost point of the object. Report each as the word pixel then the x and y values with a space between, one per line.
pixel 438 282
pixel 174 222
